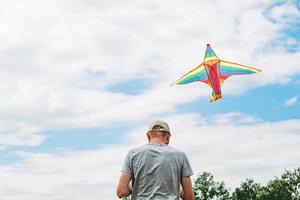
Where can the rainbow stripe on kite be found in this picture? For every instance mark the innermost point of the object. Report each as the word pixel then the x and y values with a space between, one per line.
pixel 214 72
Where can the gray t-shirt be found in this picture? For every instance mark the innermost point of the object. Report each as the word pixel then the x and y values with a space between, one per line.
pixel 156 171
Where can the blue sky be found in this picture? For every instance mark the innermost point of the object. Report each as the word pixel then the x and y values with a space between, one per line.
pixel 81 81
pixel 266 103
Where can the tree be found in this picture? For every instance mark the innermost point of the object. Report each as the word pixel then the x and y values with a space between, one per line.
pixel 287 187
pixel 292 180
pixel 205 188
pixel 276 189
pixel 247 191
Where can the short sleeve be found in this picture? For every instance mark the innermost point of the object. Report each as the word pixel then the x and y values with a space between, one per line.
pixel 127 167
pixel 186 168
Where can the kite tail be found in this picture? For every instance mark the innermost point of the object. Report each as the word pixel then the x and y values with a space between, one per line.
pixel 214 97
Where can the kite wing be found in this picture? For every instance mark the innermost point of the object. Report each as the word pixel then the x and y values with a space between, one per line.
pixel 197 74
pixel 230 68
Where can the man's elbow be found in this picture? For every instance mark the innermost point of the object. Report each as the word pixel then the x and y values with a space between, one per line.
pixel 189 198
pixel 188 195
pixel 122 193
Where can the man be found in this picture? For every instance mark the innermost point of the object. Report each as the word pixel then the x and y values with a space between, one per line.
pixel 156 170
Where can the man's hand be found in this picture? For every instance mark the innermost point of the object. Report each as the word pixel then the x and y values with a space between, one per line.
pixel 124 189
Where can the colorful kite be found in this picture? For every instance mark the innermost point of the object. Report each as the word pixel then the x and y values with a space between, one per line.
pixel 214 72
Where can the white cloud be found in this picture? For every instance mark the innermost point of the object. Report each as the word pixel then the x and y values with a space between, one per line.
pixel 285 13
pixel 291 101
pixel 231 150
pixel 57 59
pixel 73 175
pixel 234 117
pixel 18 133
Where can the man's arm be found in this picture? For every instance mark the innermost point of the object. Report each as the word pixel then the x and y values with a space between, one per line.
pixel 124 189
pixel 188 193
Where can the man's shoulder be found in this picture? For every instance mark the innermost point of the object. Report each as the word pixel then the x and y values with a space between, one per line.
pixel 174 149
pixel 137 149
pixel 151 146
pixel 175 152
pixel 148 146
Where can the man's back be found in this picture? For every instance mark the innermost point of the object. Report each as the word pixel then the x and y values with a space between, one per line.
pixel 156 171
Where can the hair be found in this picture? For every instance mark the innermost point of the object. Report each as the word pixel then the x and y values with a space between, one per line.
pixel 158 134
pixel 154 133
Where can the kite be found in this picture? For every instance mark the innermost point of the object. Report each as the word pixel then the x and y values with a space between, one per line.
pixel 214 72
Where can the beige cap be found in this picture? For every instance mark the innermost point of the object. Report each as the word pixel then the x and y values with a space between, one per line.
pixel 163 124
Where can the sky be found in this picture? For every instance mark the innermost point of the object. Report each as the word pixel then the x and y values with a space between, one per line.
pixel 81 80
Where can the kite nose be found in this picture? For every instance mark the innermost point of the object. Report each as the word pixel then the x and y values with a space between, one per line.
pixel 209 54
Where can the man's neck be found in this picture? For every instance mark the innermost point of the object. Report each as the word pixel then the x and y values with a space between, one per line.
pixel 157 142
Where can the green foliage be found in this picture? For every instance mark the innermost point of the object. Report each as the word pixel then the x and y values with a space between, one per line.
pixel 276 189
pixel 205 188
pixel 126 198
pixel 248 190
pixel 286 187
pixel 292 180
